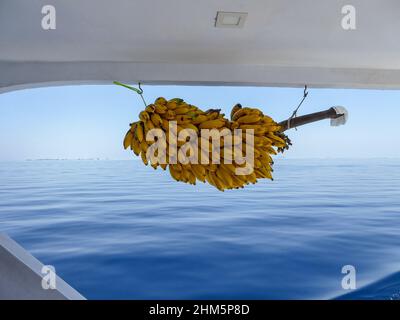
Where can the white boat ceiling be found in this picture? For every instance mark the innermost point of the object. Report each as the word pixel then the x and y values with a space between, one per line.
pixel 281 43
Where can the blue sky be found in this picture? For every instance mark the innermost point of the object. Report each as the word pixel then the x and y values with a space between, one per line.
pixel 91 121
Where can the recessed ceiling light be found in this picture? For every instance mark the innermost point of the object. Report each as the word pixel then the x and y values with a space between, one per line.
pixel 230 19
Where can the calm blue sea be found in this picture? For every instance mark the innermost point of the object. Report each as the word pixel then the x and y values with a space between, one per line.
pixel 120 230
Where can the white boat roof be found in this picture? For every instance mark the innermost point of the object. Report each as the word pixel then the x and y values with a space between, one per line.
pixel 282 43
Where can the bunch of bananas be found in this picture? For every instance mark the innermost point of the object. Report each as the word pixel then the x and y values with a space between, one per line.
pixel 222 172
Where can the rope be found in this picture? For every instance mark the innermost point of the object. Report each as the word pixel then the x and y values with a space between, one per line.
pixel 294 114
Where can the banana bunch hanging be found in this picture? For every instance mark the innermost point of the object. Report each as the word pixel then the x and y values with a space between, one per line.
pixel 219 157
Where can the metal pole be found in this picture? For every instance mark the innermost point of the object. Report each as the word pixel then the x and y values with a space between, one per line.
pixel 309 118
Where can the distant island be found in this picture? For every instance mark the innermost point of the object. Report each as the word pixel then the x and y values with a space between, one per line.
pixel 66 159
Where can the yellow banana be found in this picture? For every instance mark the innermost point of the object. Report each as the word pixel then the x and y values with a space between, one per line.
pixel 144 146
pixel 199 172
pixel 212 124
pixel 182 118
pixel 234 125
pixel 199 119
pixel 189 126
pixel 228 167
pixel 135 146
pixel 240 113
pixel 210 180
pixel 144 159
pixel 176 100
pixel 174 173
pixel 140 131
pixel 154 165
pixel 144 116
pixel 150 108
pixel 267 173
pixel 191 176
pixel 172 105
pixel 236 107
pixel 128 139
pixel 149 125
pixel 156 119
pixel 161 101
pixel 251 118
pixel 225 177
pixel 133 127
pixel 213 114
pixel 252 178
pixel 182 110
pixel 169 115
pixel 160 109
pixel 218 182
pixel 275 138
pixel 165 125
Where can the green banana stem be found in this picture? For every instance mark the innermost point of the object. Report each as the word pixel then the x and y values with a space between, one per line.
pixel 138 91
pixel 129 87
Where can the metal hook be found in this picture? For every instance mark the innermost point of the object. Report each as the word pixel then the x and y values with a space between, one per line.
pixel 140 88
pixel 138 91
